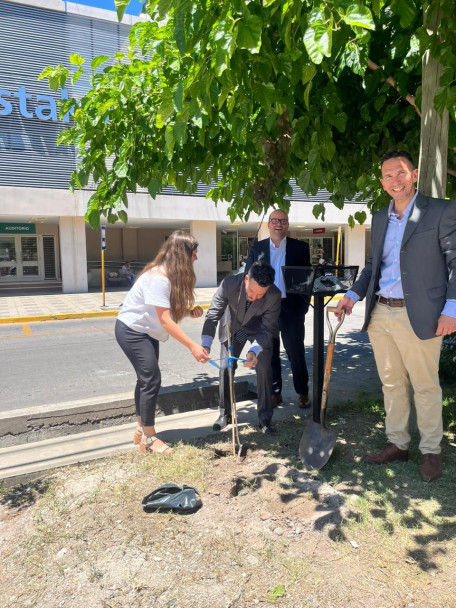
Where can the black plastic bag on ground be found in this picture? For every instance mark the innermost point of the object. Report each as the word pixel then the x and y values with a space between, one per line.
pixel 171 497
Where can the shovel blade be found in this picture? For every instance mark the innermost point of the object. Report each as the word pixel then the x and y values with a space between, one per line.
pixel 316 445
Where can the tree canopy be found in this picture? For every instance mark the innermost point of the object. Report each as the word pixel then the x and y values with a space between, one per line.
pixel 246 95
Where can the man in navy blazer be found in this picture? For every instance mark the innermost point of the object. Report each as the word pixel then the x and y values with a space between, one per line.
pixel 280 250
pixel 409 284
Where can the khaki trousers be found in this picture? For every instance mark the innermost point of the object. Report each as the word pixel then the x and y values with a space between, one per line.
pixel 405 362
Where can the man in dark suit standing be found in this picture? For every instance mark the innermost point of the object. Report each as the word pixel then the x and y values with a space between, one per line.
pixel 251 303
pixel 280 250
pixel 409 283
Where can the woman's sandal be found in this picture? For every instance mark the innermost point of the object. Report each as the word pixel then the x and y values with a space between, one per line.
pixel 147 445
pixel 137 436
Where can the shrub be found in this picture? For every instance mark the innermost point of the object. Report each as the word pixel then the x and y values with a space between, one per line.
pixel 448 359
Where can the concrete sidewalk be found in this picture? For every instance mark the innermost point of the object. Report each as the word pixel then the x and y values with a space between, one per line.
pixel 24 462
pixel 355 375
pixel 23 306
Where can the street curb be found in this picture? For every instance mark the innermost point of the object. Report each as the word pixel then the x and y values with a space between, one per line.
pixel 69 315
pixel 60 316
pixel 89 314
pixel 45 422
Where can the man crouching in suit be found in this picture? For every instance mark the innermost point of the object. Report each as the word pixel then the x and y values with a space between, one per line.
pixel 252 303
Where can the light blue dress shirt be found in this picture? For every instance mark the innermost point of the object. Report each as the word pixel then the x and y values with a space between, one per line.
pixel 390 285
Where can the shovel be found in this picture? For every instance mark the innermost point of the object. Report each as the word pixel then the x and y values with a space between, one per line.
pixel 237 446
pixel 317 442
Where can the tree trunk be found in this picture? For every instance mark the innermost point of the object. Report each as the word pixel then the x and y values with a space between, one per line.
pixel 432 174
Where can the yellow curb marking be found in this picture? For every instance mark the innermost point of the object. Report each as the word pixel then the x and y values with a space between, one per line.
pixel 67 315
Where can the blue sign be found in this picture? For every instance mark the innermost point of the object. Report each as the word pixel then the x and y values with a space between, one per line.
pixel 43 107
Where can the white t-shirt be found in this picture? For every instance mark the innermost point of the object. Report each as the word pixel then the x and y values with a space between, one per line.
pixel 138 310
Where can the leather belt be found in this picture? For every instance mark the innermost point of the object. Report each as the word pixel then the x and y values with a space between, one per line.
pixel 393 302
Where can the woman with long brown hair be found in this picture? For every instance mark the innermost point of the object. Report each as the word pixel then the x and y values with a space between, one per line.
pixel 160 297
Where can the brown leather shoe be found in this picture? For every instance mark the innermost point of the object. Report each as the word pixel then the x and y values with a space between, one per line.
pixel 431 467
pixel 304 402
pixel 390 453
pixel 276 399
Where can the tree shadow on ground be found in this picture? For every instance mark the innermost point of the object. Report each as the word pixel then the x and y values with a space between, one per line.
pixel 391 499
pixel 25 495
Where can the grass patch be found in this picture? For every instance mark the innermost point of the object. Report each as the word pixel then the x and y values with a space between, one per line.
pixel 352 534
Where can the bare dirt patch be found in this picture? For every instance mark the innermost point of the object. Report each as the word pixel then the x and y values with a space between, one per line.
pixel 268 532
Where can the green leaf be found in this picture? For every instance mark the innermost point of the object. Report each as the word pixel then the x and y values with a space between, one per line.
pixel 166 108
pixel 355 57
pixel 358 15
pixel 308 72
pixel 307 93
pixel 305 181
pixel 360 217
pixel 338 200
pixel 76 59
pixel 445 99
pixel 77 75
pixel 164 7
pixel 379 102
pixel 327 149
pixel 169 141
pixel 154 187
pixel 337 120
pixel 97 61
pixel 178 96
pixel 406 10
pixel 179 131
pixel 221 61
pixel 265 94
pixel 123 217
pixel 319 210
pixel 278 591
pixel 121 7
pixel 249 33
pixel 239 129
pixel 317 46
pixel 351 221
pixel 121 168
pixel 230 103
pixel 179 32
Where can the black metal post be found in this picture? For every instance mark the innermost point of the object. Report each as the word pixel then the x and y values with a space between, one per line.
pixel 318 353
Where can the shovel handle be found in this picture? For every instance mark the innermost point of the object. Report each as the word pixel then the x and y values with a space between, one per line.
pixel 333 330
pixel 326 379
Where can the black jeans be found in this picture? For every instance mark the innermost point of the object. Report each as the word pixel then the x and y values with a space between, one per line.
pixel 142 352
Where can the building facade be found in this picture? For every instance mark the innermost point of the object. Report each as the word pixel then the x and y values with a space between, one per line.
pixel 43 236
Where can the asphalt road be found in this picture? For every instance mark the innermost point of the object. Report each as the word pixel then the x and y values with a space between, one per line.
pixel 59 361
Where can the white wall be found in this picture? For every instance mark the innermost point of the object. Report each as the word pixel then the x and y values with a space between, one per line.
pixel 355 246
pixel 206 265
pixel 73 254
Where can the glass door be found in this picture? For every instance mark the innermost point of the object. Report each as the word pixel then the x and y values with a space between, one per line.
pixel 8 265
pixel 21 258
pixel 29 256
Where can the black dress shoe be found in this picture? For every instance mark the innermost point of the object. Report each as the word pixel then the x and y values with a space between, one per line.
pixel 221 422
pixel 304 402
pixel 276 399
pixel 267 428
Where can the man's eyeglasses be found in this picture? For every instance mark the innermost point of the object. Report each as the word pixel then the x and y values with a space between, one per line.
pixel 276 220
